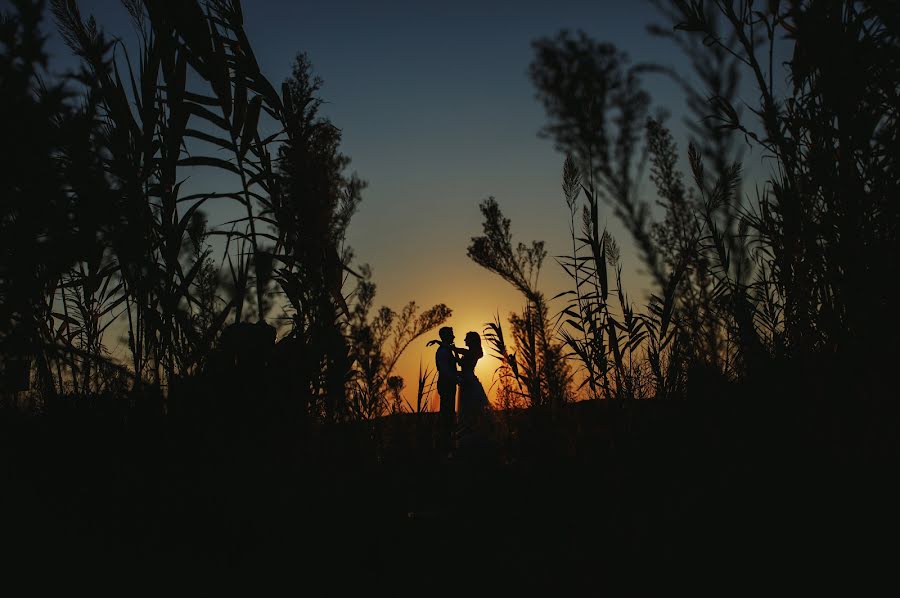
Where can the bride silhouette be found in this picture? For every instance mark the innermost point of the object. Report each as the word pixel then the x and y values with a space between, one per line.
pixel 473 401
pixel 472 398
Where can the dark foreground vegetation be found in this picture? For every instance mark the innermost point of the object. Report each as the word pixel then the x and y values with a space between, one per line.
pixel 704 487
pixel 744 419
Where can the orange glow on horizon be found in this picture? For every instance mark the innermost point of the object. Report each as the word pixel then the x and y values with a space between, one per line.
pixel 408 366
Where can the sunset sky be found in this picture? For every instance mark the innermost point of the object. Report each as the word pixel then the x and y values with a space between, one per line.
pixel 438 113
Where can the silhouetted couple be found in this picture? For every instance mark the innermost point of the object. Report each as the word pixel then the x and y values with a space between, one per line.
pixel 473 401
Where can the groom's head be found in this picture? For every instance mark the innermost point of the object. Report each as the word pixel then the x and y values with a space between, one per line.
pixel 446 334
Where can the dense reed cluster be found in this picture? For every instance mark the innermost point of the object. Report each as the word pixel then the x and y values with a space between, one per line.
pixel 105 235
pixel 782 280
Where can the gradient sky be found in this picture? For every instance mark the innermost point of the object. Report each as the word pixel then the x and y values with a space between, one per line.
pixel 438 113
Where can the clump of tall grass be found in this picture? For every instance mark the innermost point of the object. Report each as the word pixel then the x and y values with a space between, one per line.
pixel 189 94
pixel 426 383
pixel 151 130
pixel 377 342
pixel 541 368
pixel 741 283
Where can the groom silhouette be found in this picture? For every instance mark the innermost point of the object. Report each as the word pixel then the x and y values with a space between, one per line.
pixel 448 378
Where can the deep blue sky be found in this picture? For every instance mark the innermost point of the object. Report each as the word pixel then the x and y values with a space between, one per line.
pixel 438 112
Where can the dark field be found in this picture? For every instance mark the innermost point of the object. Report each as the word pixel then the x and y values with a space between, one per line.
pixel 704 487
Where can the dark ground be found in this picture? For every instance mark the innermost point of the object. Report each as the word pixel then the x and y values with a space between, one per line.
pixel 599 492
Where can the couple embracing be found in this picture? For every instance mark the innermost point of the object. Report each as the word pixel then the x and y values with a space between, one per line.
pixel 473 401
